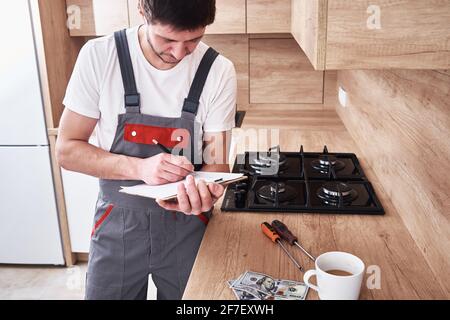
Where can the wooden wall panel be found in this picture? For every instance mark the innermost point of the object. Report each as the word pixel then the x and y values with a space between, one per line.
pixel 281 73
pixel 100 17
pixel 413 34
pixel 401 121
pixel 268 16
pixel 235 48
pixel 230 17
pixel 309 27
pixel 60 50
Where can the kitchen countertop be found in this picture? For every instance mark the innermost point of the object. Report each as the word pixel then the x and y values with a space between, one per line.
pixel 234 243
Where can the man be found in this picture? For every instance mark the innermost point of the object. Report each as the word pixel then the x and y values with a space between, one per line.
pixel 156 83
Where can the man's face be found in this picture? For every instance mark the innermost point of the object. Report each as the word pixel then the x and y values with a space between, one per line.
pixel 171 45
pixel 268 283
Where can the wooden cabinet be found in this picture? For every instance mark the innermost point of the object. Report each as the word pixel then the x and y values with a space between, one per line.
pixel 230 17
pixel 381 34
pixel 101 17
pixel 96 17
pixel 235 48
pixel 268 16
pixel 280 73
pixel 308 27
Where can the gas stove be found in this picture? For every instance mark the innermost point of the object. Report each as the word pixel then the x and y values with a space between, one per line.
pixel 301 182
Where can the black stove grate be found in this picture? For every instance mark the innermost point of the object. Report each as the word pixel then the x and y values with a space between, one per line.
pixel 307 181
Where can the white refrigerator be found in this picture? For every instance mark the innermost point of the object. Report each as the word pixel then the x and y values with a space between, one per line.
pixel 29 228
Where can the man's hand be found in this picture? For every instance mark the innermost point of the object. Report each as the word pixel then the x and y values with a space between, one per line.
pixel 192 199
pixel 164 168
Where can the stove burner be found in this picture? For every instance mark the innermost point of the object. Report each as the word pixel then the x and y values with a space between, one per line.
pixel 265 158
pixel 281 188
pixel 335 189
pixel 269 191
pixel 330 193
pixel 265 162
pixel 322 164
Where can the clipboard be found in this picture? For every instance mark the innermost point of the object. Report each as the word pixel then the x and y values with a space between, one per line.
pixel 169 191
pixel 223 183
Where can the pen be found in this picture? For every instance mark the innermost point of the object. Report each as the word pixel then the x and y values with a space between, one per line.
pixel 163 148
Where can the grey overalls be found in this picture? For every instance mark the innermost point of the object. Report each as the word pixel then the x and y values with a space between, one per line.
pixel 133 236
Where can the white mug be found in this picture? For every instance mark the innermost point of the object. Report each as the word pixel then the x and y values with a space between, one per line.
pixel 333 287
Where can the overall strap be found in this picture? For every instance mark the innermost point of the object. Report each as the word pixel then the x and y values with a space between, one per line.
pixel 192 102
pixel 132 97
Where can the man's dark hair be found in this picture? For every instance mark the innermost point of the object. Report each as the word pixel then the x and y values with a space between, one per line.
pixel 181 14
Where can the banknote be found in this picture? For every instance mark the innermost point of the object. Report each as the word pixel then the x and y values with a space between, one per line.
pixel 291 290
pixel 259 281
pixel 242 294
pixel 265 287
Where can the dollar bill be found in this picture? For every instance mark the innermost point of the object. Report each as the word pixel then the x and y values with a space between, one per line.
pixel 241 293
pixel 265 287
pixel 258 281
pixel 291 290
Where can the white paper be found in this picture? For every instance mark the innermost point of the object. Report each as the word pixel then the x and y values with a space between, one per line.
pixel 170 189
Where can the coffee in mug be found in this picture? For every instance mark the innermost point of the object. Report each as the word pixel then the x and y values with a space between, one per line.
pixel 341 273
pixel 339 276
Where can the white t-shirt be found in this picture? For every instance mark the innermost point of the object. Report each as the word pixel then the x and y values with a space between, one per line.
pixel 96 89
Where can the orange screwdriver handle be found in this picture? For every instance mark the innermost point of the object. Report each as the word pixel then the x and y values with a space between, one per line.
pixel 269 232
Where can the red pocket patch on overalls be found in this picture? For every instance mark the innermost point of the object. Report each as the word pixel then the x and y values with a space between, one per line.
pixel 168 137
pixel 101 219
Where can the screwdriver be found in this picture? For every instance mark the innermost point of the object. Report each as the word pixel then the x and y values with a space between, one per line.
pixel 287 235
pixel 272 235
